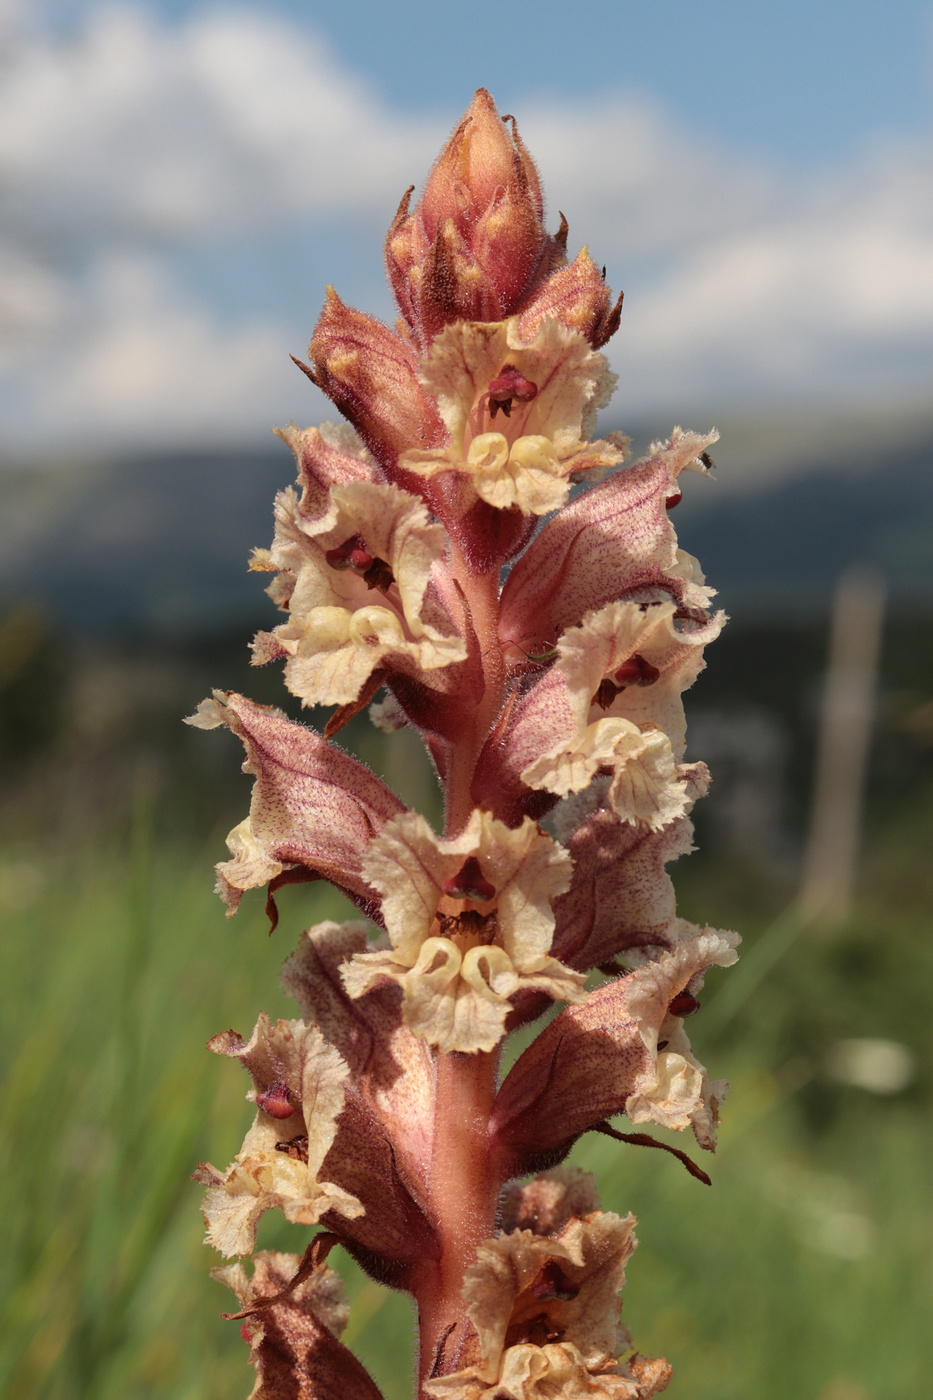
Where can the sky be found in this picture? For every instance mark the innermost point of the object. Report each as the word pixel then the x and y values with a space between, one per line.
pixel 179 181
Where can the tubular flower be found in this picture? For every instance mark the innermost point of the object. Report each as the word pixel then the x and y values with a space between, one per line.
pixel 470 924
pixel 540 647
pixel 615 692
pixel 519 413
pixel 298 1085
pixel 354 581
pixel 545 1309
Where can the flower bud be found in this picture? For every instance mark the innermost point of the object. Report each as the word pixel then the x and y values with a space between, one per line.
pixel 369 372
pixel 475 245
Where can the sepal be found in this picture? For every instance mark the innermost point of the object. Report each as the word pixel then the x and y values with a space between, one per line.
pixel 621 1051
pixel 294 1343
pixel 314 809
pixel 613 542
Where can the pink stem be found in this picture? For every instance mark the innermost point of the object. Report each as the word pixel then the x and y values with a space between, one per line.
pixel 463 1187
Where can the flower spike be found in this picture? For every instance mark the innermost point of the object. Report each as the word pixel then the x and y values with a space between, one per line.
pixel 466 544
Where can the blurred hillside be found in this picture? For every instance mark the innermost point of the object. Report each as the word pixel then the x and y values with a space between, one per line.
pixel 124 597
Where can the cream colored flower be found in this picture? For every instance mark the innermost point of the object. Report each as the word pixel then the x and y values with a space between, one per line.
pixel 355 583
pixel 470 924
pixel 678 1093
pixel 546 1313
pixel 624 669
pixel 518 412
pixel 282 1154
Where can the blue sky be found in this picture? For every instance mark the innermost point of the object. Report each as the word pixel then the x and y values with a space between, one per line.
pixel 801 80
pixel 181 180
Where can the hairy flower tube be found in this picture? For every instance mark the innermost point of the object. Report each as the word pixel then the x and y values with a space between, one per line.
pixel 466 558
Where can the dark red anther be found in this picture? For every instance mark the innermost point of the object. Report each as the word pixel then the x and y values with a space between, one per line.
pixel 509 384
pixel 636 671
pixel 379 575
pixel 552 1282
pixel 469 883
pixel 276 1100
pixel 674 500
pixel 606 692
pixel 683 1004
pixel 352 554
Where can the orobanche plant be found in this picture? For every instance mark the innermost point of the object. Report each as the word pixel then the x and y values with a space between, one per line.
pixel 539 639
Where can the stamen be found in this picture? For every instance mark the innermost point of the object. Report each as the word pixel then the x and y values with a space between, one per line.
pixel 552 1282
pixel 509 384
pixel 276 1100
pixel 683 1004
pixel 354 555
pixel 469 883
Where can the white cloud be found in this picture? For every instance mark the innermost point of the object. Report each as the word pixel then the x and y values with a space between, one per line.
pixel 155 367
pixel 140 139
pixel 141 128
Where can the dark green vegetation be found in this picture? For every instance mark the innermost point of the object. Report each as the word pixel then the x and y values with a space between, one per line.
pixel 804 1271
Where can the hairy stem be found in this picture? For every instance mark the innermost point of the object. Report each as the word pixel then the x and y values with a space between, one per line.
pixel 481 592
pixel 464 1193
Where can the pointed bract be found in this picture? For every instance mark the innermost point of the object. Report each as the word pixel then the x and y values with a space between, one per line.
pixel 603 1058
pixel 621 900
pixel 392 1069
pixel 294 1343
pixel 370 373
pixel 613 542
pixel 578 297
pixel 314 809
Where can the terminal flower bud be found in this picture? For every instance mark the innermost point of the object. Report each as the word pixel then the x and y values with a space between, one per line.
pixel 475 244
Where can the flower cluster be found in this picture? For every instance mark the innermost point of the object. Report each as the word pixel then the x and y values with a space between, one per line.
pixel 540 638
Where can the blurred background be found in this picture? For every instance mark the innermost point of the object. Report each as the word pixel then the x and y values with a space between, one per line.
pixel 178 182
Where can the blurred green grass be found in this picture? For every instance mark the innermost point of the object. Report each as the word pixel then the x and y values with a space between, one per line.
pixel 804 1271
